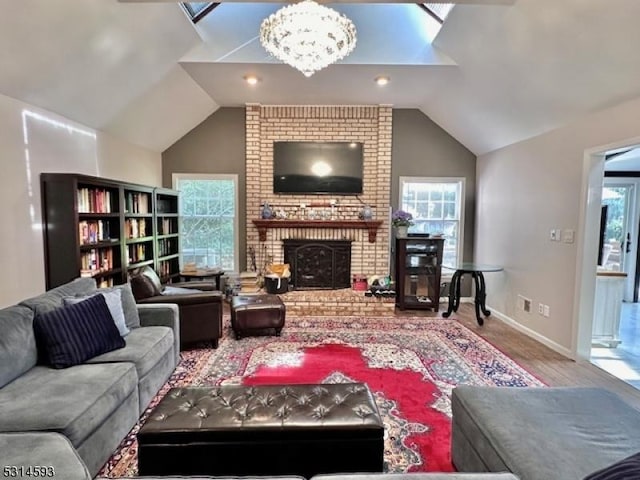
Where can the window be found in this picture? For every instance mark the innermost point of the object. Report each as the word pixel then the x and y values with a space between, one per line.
pixel 198 10
pixel 437 206
pixel 439 11
pixel 208 220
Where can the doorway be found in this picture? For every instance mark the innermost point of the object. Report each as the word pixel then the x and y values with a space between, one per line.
pixel 616 318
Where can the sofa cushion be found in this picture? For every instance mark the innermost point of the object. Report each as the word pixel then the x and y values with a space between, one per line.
pixel 52 299
pixel 114 303
pixel 142 287
pixel 145 283
pixel 18 352
pixel 131 317
pixel 626 469
pixel 70 335
pixel 73 401
pixel 51 453
pixel 543 433
pixel 144 348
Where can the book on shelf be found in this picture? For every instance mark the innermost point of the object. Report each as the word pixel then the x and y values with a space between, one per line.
pixel 93 231
pixel 137 202
pixel 93 200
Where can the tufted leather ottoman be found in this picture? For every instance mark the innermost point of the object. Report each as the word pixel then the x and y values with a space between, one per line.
pixel 256 312
pixel 263 430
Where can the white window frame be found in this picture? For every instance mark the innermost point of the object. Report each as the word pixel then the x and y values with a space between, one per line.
pixel 176 177
pixel 461 182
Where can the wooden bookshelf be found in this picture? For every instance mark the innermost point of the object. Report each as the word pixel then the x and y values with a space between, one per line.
pixel 105 228
pixel 167 234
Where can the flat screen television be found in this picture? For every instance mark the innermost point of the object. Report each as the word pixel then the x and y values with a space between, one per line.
pixel 317 167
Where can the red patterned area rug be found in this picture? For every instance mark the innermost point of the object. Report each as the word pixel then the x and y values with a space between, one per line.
pixel 411 364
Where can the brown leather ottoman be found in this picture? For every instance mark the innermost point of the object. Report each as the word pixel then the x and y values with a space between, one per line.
pixel 252 313
pixel 263 430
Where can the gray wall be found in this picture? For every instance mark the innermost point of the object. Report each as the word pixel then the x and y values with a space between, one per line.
pixel 420 148
pixel 217 145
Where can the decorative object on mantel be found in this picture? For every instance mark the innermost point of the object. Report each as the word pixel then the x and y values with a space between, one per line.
pixel 366 213
pixel 371 225
pixel 401 221
pixel 308 36
pixel 267 212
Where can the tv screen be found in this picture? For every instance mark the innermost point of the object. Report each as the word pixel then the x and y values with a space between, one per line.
pixel 317 167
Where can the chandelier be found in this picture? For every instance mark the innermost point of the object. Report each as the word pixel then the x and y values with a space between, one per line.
pixel 308 36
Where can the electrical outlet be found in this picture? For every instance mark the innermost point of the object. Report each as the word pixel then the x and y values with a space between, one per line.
pixel 545 311
pixel 554 235
pixel 524 303
pixel 540 309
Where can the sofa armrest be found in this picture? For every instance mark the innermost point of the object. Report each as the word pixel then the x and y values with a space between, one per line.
pixel 196 298
pixel 204 285
pixel 162 315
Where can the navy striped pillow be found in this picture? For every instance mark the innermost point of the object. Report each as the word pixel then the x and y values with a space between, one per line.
pixel 70 335
pixel 626 469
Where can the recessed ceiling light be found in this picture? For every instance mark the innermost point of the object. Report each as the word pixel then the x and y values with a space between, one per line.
pixel 251 79
pixel 381 81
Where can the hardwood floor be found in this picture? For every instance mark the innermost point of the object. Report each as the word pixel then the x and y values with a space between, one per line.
pixel 550 367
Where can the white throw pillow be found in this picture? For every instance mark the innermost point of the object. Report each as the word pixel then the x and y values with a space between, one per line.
pixel 114 303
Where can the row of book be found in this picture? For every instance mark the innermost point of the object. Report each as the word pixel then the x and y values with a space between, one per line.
pixel 94 231
pixel 167 268
pixel 94 200
pixel 137 202
pixel 96 260
pixel 167 246
pixel 167 226
pixel 135 228
pixel 137 253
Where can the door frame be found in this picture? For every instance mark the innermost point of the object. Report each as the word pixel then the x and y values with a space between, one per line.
pixel 587 245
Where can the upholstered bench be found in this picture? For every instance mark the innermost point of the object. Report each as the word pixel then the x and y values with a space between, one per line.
pixel 253 313
pixel 263 430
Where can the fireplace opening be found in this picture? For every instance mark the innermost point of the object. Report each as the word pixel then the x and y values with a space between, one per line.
pixel 319 264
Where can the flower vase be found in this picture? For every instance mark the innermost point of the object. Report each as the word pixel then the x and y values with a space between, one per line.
pixel 402 231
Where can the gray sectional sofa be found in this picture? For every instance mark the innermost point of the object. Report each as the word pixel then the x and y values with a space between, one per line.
pixel 83 412
pixel 543 433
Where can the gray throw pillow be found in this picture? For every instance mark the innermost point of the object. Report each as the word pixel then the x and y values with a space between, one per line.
pixel 114 303
pixel 131 316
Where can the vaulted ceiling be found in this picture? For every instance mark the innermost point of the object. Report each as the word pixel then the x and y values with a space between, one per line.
pixel 498 72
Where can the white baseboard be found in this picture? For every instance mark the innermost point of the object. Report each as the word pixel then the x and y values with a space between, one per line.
pixel 530 333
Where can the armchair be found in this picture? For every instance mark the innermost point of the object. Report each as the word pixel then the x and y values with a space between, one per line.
pixel 200 305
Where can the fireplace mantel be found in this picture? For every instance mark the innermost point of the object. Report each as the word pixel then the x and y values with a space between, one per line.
pixel 370 225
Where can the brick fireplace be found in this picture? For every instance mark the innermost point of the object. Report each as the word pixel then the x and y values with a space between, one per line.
pixel 370 125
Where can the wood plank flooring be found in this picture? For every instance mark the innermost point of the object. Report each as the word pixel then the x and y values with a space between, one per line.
pixel 550 367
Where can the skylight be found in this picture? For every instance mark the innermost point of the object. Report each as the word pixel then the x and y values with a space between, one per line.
pixel 198 10
pixel 439 11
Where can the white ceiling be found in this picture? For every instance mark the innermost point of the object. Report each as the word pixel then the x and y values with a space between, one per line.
pixel 499 71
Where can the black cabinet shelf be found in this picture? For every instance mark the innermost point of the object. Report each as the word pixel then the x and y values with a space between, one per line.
pixel 418 263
